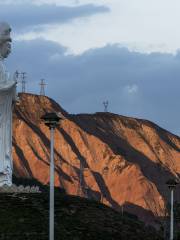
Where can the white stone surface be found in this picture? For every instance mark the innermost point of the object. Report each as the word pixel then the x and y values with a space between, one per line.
pixel 19 189
pixel 7 97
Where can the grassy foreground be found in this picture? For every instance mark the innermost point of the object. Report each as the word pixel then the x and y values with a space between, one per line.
pixel 25 217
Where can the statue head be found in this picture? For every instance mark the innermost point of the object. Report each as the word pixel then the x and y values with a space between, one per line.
pixel 5 40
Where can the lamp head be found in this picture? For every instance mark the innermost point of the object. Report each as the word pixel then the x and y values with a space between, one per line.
pixel 51 119
pixel 172 183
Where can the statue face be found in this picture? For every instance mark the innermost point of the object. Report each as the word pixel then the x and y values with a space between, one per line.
pixel 5 40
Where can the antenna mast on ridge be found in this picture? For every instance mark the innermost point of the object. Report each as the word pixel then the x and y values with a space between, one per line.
pixel 105 103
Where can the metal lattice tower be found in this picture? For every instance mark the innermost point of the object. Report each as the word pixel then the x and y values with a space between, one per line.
pixel 42 90
pixel 17 74
pixel 83 188
pixel 105 103
pixel 23 81
pixel 80 183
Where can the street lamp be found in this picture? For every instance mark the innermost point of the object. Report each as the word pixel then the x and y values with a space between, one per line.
pixel 51 120
pixel 172 185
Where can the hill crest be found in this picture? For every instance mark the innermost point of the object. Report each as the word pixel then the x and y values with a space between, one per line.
pixel 121 161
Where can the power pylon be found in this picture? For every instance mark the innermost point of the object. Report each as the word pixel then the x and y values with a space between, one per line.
pixel 80 190
pixel 42 90
pixel 17 74
pixel 23 81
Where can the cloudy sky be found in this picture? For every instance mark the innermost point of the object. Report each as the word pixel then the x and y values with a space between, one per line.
pixel 89 51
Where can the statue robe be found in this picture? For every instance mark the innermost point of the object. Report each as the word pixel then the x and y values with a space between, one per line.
pixel 7 96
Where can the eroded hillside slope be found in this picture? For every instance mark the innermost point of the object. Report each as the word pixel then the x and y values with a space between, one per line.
pixel 119 160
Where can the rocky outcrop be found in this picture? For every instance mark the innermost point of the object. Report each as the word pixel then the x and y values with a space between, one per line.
pixel 123 162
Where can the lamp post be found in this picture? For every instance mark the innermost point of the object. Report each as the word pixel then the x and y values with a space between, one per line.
pixel 51 120
pixel 172 185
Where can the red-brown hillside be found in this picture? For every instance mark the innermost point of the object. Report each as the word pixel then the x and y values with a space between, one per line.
pixel 125 161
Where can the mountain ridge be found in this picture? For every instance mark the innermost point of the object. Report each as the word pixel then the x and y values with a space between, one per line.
pixel 121 161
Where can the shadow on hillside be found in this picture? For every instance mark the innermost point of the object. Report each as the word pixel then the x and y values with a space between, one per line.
pixel 25 165
pixel 102 129
pixel 97 176
pixel 143 214
pixel 46 143
pixel 163 134
pixel 57 169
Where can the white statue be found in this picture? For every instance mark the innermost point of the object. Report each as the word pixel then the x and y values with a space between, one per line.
pixel 7 97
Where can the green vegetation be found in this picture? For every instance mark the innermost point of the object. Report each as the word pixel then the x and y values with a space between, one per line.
pixel 25 217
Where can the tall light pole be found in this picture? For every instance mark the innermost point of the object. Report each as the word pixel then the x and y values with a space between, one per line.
pixel 51 120
pixel 172 185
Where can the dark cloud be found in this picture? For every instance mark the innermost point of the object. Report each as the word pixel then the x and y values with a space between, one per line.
pixel 27 16
pixel 139 85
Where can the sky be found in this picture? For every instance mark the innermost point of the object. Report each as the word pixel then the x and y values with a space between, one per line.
pixel 89 51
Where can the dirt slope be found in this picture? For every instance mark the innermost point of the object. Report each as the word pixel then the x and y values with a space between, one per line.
pixel 123 162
